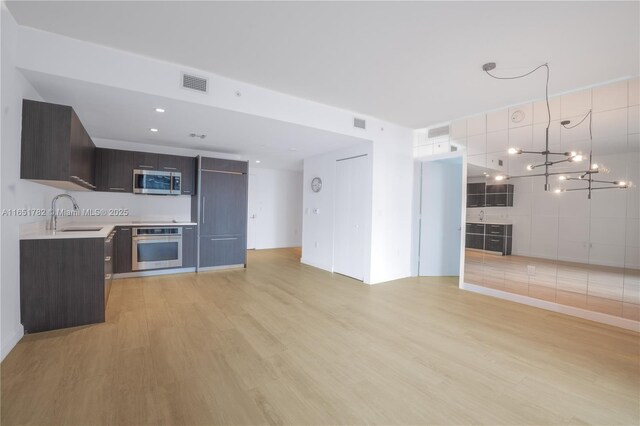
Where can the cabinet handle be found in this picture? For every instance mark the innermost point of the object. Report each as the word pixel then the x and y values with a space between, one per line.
pixel 170 168
pixel 107 277
pixel 224 239
pixel 145 166
pixel 188 228
pixel 124 229
pixel 107 259
pixel 186 192
pixel 495 241
pixel 116 189
pixel 204 201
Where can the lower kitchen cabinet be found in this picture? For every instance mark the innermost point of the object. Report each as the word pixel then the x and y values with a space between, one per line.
pixel 63 282
pixel 224 250
pixel 189 246
pixel 493 237
pixel 122 252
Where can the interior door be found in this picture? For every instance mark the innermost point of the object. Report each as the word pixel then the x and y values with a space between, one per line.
pixel 350 217
pixel 441 217
pixel 252 212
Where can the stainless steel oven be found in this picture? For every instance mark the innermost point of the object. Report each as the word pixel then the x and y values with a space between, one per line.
pixel 156 182
pixel 156 247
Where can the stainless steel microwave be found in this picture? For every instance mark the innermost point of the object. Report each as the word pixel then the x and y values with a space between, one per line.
pixel 156 182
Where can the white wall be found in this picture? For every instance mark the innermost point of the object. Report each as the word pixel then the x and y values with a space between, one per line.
pixel 16 193
pixel 276 201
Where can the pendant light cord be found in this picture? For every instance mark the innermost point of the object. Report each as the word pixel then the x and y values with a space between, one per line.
pixel 546 89
pixel 581 121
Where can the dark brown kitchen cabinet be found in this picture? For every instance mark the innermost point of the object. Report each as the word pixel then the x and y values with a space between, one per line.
pixel 493 237
pixel 63 282
pixel 122 250
pixel 189 246
pixel 223 213
pixel 114 170
pixel 145 160
pixel 221 165
pixel 188 169
pixel 185 165
pixel 56 150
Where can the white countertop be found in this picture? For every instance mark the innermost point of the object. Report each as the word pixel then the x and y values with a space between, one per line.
pixel 39 233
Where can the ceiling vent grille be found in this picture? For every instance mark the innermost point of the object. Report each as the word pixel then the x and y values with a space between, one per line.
pixel 360 123
pixel 196 83
pixel 438 132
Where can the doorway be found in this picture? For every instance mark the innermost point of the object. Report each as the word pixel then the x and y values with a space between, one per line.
pixel 350 217
pixel 441 216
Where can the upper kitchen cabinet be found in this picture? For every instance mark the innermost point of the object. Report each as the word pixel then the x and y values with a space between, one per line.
pixel 185 165
pixel 220 165
pixel 56 149
pixel 145 160
pixel 114 170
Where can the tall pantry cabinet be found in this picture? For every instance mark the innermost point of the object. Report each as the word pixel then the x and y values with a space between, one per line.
pixel 222 213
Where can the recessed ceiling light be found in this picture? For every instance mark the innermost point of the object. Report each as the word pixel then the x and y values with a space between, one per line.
pixel 195 135
pixel 159 109
pixel 153 130
pixel 258 161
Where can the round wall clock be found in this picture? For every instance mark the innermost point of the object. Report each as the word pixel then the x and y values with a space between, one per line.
pixel 316 184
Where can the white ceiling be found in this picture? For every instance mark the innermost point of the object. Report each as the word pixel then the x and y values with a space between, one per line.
pixel 118 114
pixel 413 63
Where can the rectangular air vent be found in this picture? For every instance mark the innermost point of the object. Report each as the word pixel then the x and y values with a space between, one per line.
pixel 438 132
pixel 359 123
pixel 196 83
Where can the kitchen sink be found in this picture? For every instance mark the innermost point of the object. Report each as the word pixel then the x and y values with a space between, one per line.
pixel 81 229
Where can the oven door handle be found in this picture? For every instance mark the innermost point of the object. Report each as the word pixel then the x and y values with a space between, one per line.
pixel 157 238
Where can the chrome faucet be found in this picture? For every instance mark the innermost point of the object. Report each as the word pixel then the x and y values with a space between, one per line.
pixel 481 215
pixel 53 222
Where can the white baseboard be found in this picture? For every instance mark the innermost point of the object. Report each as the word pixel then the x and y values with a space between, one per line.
pixel 12 342
pixel 613 320
pixel 317 265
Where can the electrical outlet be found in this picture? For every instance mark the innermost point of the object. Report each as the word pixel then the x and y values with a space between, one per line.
pixel 316 244
pixel 531 270
pixel 316 211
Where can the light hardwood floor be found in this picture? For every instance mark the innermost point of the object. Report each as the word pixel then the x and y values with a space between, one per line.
pixel 284 343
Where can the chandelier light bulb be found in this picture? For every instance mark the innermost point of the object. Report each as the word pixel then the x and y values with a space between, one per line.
pixel 530 167
pixel 514 151
pixel 557 190
pixel 499 177
pixel 562 177
pixel 622 183
pixel 594 166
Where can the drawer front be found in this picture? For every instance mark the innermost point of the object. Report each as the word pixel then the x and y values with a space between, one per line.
pixel 222 251
pixel 493 230
pixel 475 228
pixel 474 241
pixel 492 243
pixel 476 188
pixel 475 200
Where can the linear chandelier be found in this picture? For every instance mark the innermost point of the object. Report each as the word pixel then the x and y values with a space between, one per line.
pixel 554 158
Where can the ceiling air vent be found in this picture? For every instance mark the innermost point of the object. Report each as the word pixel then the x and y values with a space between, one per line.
pixel 438 132
pixel 196 83
pixel 359 123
